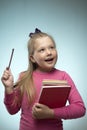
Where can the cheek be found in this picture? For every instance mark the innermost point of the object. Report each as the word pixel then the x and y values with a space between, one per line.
pixel 55 53
pixel 38 56
pixel 38 59
pixel 56 56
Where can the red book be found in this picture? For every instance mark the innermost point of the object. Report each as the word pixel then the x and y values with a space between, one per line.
pixel 54 96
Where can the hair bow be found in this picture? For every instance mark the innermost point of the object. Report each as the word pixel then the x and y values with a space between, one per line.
pixel 36 31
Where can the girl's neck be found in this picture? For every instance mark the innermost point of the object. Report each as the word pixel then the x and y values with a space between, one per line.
pixel 44 71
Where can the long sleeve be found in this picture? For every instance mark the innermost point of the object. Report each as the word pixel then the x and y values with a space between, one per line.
pixel 9 100
pixel 76 107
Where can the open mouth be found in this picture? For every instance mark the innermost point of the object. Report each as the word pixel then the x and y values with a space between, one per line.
pixel 49 60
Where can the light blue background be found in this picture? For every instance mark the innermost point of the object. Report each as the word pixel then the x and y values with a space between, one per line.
pixel 66 21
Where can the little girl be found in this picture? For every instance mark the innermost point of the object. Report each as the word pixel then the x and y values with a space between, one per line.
pixel 24 94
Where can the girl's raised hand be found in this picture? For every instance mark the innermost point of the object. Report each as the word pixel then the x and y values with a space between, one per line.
pixel 7 78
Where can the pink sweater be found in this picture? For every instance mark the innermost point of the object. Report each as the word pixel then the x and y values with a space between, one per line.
pixel 75 109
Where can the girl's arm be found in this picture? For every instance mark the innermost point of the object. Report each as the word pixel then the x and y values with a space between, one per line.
pixel 76 107
pixel 11 102
pixel 11 94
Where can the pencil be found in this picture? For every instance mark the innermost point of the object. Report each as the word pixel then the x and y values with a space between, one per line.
pixel 10 59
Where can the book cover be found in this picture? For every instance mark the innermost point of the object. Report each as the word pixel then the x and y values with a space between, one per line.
pixel 54 96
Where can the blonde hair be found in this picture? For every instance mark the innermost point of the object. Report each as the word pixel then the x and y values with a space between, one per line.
pixel 26 81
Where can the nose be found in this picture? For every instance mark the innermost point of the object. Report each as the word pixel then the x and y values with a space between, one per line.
pixel 48 51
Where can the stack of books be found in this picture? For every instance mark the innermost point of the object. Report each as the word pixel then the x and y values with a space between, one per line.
pixel 54 93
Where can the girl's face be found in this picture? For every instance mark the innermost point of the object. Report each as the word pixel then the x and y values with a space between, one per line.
pixel 45 54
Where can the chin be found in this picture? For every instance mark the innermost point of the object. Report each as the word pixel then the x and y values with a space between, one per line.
pixel 50 68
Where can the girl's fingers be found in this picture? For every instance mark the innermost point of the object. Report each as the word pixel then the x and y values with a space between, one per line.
pixel 6 75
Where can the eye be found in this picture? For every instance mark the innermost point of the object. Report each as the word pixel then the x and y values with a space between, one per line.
pixel 42 50
pixel 52 47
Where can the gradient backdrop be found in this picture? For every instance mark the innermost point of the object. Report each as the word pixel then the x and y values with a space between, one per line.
pixel 66 21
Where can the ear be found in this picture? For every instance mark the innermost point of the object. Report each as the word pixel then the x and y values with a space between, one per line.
pixel 32 59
